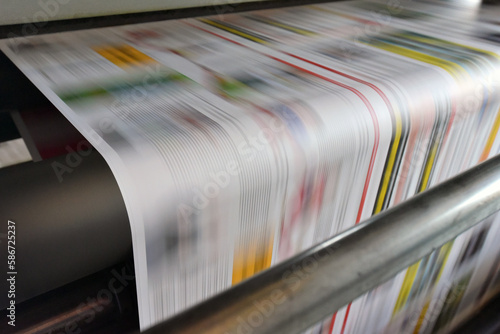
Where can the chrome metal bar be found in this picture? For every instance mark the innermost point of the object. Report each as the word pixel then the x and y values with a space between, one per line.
pixel 294 295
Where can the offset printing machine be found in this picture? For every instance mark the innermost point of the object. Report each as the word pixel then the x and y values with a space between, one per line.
pixel 76 238
pixel 74 248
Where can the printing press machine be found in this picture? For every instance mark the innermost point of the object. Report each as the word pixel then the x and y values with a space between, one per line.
pixel 73 244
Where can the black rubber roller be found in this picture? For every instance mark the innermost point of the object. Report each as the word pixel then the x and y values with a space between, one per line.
pixel 63 230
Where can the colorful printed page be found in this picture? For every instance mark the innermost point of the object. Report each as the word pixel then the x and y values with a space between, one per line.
pixel 238 141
